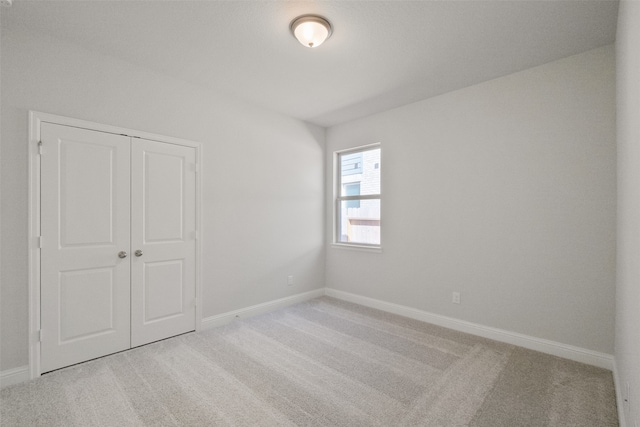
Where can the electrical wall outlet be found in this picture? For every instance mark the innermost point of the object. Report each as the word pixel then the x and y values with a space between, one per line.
pixel 290 280
pixel 455 298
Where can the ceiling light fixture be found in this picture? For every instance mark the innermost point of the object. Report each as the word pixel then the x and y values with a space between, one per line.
pixel 311 30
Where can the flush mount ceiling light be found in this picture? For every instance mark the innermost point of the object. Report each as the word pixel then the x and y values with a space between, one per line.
pixel 311 30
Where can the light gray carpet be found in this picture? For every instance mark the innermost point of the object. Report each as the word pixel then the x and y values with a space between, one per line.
pixel 320 363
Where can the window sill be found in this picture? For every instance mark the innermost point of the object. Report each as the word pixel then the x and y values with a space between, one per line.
pixel 354 247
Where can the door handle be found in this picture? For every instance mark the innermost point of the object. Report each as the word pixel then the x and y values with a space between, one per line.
pixel 138 252
pixel 122 254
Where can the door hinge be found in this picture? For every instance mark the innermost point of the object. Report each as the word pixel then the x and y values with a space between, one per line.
pixel 40 147
pixel 39 337
pixel 40 242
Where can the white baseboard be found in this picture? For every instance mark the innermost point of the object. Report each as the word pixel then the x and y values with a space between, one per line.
pixel 602 360
pixel 570 352
pixel 254 310
pixel 619 396
pixel 14 376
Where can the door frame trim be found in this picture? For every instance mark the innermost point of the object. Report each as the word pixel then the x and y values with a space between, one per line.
pixel 36 118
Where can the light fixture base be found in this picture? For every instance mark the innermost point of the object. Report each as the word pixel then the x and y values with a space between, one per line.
pixel 311 30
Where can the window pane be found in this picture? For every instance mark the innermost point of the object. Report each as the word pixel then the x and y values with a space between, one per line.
pixel 362 168
pixel 352 189
pixel 351 164
pixel 359 224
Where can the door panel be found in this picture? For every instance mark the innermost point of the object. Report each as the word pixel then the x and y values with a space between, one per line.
pixel 86 303
pixel 85 222
pixel 163 212
pixel 163 290
pixel 164 193
pixel 79 160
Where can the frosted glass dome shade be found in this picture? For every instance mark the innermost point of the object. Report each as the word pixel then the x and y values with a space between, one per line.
pixel 311 30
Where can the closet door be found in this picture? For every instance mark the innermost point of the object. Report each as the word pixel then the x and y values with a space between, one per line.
pixel 163 240
pixel 85 221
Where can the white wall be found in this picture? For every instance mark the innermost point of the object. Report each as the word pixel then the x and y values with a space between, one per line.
pixel 504 191
pixel 263 173
pixel 628 253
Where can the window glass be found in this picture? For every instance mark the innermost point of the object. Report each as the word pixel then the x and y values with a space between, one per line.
pixel 351 164
pixel 358 202
pixel 352 189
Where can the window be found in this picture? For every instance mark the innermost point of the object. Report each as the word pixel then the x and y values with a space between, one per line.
pixel 358 196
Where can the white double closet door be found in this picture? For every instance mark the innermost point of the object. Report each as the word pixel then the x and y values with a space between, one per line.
pixel 118 225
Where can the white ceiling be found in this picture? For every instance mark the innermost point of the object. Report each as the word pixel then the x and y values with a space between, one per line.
pixel 382 54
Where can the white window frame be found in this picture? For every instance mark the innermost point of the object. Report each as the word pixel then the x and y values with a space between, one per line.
pixel 338 199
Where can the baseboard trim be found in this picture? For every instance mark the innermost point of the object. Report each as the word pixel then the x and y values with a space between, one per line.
pixel 566 351
pixel 602 360
pixel 617 382
pixel 254 310
pixel 14 376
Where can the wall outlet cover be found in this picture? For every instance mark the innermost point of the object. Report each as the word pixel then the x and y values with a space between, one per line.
pixel 455 298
